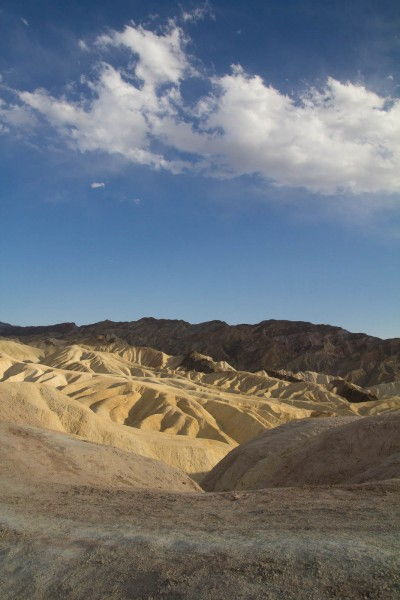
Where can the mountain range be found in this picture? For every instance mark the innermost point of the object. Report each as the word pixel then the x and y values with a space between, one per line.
pixel 269 345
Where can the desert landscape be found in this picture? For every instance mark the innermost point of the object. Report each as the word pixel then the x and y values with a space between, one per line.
pixel 158 459
pixel 199 300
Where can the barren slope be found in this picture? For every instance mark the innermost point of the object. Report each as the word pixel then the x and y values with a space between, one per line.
pixel 152 391
pixel 42 405
pixel 30 456
pixel 340 450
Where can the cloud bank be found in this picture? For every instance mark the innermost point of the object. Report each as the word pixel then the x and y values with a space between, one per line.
pixel 340 138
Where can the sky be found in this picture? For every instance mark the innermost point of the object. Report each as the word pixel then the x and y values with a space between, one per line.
pixel 200 160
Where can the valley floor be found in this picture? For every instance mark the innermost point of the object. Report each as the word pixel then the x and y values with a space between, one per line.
pixel 93 543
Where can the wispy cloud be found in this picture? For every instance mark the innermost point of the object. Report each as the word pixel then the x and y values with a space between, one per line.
pixel 14 117
pixel 131 201
pixel 97 184
pixel 198 13
pixel 24 21
pixel 339 138
pixel 83 45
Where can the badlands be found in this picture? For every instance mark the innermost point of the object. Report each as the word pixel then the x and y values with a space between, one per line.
pixel 251 461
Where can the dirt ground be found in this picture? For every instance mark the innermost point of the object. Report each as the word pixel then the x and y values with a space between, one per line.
pixel 60 541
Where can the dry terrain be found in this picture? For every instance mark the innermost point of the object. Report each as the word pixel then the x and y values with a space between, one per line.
pixel 104 446
pixel 272 345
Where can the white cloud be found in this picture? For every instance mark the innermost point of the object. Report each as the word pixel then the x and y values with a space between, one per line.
pixel 16 117
pixel 161 57
pixel 342 137
pixel 115 122
pixel 120 118
pixel 24 21
pixel 97 184
pixel 199 13
pixel 83 45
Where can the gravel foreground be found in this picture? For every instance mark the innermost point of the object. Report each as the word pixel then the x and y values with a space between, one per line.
pixel 92 543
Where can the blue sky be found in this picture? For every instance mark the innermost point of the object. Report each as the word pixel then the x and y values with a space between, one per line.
pixel 200 161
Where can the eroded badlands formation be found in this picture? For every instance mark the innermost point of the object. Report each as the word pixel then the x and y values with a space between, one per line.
pixel 106 448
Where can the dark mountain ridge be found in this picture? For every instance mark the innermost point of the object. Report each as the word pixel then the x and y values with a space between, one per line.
pixel 272 344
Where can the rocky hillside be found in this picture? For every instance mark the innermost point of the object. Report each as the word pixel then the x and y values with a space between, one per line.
pixel 291 345
pixel 337 450
pixel 103 447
